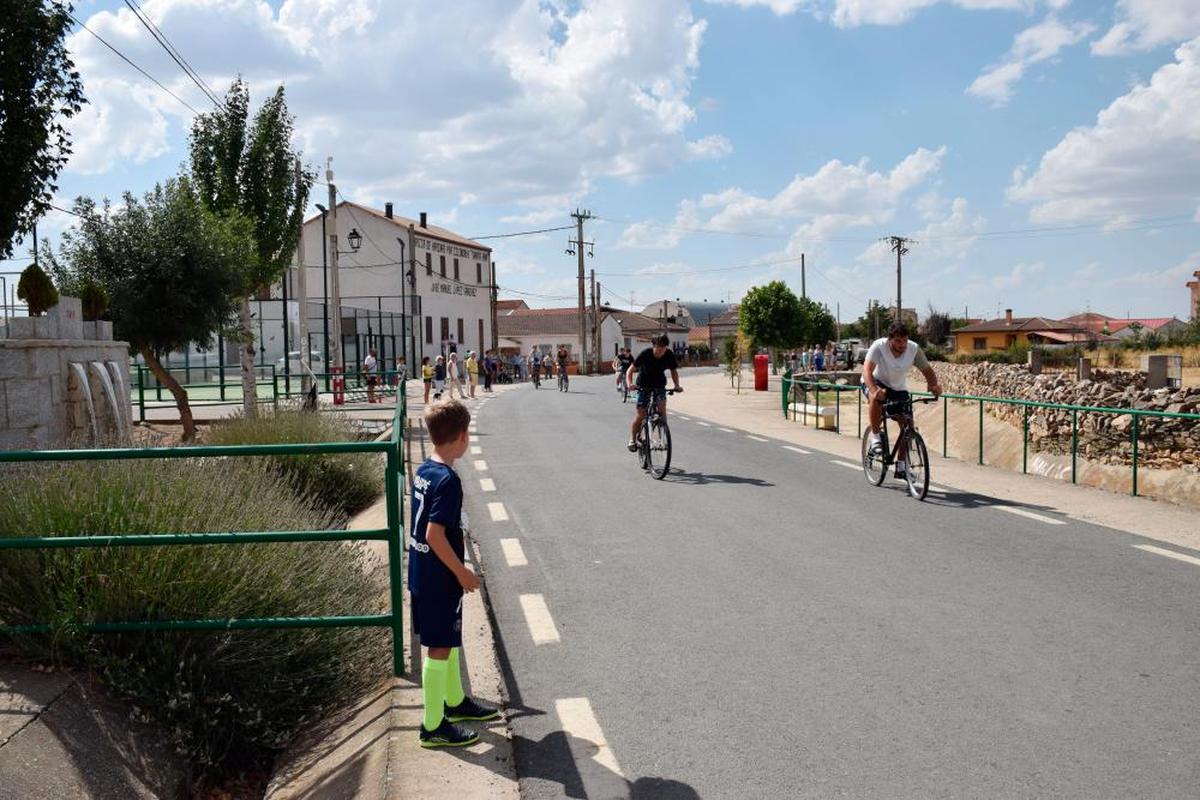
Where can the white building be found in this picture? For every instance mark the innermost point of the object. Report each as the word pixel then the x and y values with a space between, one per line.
pixel 448 302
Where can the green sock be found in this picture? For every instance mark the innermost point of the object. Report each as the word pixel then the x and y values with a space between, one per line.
pixel 454 687
pixel 433 687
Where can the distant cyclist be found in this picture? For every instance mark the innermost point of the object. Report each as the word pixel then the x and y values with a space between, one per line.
pixel 885 377
pixel 651 367
pixel 621 365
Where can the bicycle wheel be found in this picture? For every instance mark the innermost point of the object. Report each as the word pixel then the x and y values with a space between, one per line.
pixel 660 449
pixel 916 473
pixel 873 463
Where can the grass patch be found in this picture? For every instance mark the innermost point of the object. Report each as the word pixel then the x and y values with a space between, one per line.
pixel 224 697
pixel 348 482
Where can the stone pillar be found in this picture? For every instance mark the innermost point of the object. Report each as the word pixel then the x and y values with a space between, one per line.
pixel 1085 369
pixel 1156 372
pixel 1034 362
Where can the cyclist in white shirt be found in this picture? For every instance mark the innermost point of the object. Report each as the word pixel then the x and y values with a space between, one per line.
pixel 885 376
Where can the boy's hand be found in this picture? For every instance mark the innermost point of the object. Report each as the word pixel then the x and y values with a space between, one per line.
pixel 468 580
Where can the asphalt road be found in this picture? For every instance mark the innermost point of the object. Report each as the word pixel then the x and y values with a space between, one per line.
pixel 765 624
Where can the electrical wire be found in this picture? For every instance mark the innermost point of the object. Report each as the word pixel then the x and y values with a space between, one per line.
pixel 127 60
pixel 173 52
pixel 521 233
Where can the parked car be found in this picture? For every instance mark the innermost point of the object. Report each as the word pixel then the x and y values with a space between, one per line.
pixel 315 363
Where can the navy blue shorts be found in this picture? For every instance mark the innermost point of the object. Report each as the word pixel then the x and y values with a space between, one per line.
pixel 437 619
pixel 647 396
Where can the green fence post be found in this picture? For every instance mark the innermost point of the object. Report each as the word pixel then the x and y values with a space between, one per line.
pixel 859 393
pixel 837 414
pixel 1074 440
pixel 981 432
pixel 1136 418
pixel 787 387
pixel 945 426
pixel 141 393
pixel 274 390
pixel 221 373
pixel 395 570
pixel 817 403
pixel 1025 440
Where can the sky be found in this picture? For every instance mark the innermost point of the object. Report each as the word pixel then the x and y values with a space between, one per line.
pixel 1044 155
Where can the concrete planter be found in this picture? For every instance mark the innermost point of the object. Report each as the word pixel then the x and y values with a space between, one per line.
pixel 33 328
pixel 99 330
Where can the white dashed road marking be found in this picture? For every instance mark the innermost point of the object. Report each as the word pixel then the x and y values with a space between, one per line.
pixel 537 617
pixel 514 554
pixel 472 439
pixel 705 424
pixel 939 489
pixel 685 419
pixel 845 464
pixel 755 438
pixel 498 512
pixel 727 430
pixel 1149 548
pixel 487 485
pixel 481 465
pixel 1020 512
pixel 598 768
pixel 796 450
pixel 476 450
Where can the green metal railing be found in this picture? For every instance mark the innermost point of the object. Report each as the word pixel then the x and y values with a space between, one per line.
pixel 392 448
pixel 789 404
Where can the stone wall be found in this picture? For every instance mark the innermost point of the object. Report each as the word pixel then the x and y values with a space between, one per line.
pixel 1103 438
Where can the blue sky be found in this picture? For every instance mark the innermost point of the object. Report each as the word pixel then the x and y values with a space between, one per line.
pixel 1044 154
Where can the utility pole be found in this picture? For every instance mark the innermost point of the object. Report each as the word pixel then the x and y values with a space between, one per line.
pixel 900 248
pixel 803 288
pixel 839 323
pixel 599 340
pixel 592 316
pixel 335 296
pixel 575 247
pixel 302 292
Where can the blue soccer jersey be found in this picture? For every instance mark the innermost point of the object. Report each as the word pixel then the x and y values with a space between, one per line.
pixel 436 497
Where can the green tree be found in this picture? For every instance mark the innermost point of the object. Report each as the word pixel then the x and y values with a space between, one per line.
pixel 731 356
pixel 252 168
pixel 172 269
pixel 874 323
pixel 936 327
pixel 39 91
pixel 772 316
pixel 37 290
pixel 819 326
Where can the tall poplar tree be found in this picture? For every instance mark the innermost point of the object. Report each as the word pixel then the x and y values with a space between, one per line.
pixel 251 168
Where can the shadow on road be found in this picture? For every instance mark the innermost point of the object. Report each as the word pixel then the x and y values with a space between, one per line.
pixel 701 479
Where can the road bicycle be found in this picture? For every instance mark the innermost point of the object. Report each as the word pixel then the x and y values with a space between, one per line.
pixel 909 448
pixel 622 387
pixel 654 442
pixel 562 379
pixel 537 379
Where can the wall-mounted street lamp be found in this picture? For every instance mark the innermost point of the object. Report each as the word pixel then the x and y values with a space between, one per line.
pixel 354 239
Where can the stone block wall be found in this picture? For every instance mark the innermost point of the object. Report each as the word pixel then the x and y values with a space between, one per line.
pixel 1104 438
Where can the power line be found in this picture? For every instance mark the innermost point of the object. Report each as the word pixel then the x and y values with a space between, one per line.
pixel 172 51
pixel 521 233
pixel 126 59
pixel 644 274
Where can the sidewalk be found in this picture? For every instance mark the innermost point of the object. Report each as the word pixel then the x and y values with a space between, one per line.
pixel 709 397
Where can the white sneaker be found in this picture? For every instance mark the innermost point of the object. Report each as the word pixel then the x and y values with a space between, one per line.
pixel 873 441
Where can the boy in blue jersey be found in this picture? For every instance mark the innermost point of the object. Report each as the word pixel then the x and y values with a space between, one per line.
pixel 437 579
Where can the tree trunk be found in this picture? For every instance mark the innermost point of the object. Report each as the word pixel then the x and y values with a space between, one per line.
pixel 180 394
pixel 246 350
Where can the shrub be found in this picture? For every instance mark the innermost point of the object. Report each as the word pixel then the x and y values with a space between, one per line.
pixel 36 289
pixel 94 301
pixel 934 352
pixel 348 482
pixel 228 696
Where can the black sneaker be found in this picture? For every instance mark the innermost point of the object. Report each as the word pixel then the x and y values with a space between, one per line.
pixel 632 446
pixel 447 734
pixel 469 709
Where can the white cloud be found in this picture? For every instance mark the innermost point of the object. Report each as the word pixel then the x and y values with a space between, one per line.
pixel 1032 45
pixel 835 197
pixel 523 105
pixel 1142 156
pixel 661 237
pixel 1146 24
pixel 949 234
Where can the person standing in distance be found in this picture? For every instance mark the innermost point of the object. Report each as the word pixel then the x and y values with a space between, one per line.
pixel 651 367
pixel 437 579
pixel 371 370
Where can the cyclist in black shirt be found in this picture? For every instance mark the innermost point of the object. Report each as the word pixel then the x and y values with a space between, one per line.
pixel 651 367
pixel 621 365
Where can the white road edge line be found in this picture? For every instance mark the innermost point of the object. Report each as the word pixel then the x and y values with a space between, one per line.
pixel 756 438
pixel 514 554
pixel 939 489
pixel 685 419
pixel 487 485
pixel 845 464
pixel 705 424
pixel 481 465
pixel 1160 551
pixel 1020 512
pixel 498 511
pixel 797 450
pixel 578 719
pixel 727 430
pixel 538 619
